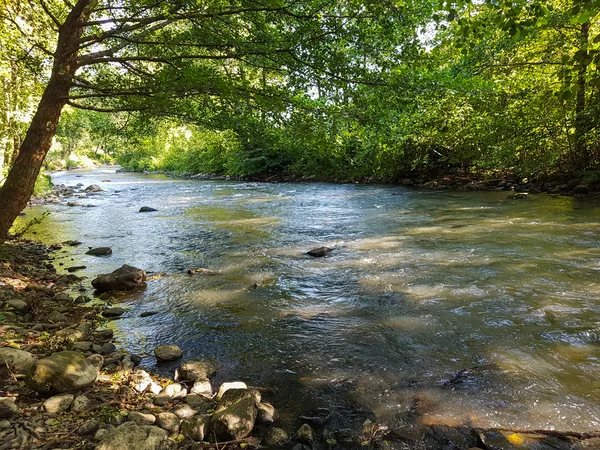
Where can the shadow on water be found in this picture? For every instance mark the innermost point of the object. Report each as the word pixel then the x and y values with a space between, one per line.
pixel 444 309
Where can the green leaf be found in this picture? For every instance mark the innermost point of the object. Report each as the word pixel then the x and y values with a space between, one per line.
pixel 541 22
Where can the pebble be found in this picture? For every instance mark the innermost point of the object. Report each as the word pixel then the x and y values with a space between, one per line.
pixel 183 411
pixel 58 403
pixel 114 312
pixel 80 404
pixel 141 418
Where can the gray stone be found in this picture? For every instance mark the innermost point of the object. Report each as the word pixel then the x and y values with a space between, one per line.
pixel 149 313
pixel 169 352
pixel 275 436
pixel 18 305
pixel 108 348
pixel 8 408
pixel 58 403
pixel 147 209
pixel 103 335
pixel 199 403
pixel 305 434
pixel 97 348
pixel 80 404
pixel 319 252
pixel 266 413
pixel 56 317
pixel 132 436
pixel 196 370
pixel 97 361
pixel 62 372
pixel 141 418
pixel 233 385
pixel 168 421
pixel 93 188
pixel 115 311
pixel 63 297
pixel 126 278
pixel 183 411
pixel 82 346
pixel 99 251
pixel 88 427
pixel 202 387
pixel 235 415
pixel 196 428
pixel 101 433
pixel 18 361
pixel 161 399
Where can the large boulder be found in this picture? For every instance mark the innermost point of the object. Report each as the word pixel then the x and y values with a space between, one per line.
pixel 126 278
pixel 18 361
pixel 235 415
pixel 62 372
pixel 130 435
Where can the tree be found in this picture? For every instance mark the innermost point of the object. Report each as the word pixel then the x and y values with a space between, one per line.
pixel 156 56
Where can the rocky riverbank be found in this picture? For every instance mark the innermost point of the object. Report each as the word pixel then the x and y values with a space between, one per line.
pixel 64 383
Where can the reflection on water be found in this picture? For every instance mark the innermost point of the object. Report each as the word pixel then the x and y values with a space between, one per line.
pixel 421 285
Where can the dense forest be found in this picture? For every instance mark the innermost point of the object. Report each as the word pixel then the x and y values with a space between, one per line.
pixel 357 90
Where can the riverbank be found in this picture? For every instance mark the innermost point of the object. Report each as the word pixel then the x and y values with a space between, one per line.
pixel 556 184
pixel 121 405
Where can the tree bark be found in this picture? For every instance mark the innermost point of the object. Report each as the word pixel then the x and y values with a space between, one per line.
pixel 581 158
pixel 20 182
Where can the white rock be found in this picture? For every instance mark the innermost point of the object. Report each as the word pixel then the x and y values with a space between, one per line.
pixel 233 385
pixel 172 389
pixel 202 387
pixel 58 403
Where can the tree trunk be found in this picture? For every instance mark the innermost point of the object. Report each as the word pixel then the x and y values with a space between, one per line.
pixel 19 184
pixel 581 158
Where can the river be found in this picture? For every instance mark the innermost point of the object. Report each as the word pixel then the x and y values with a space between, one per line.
pixel 421 285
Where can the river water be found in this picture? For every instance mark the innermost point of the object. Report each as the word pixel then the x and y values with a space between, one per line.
pixel 421 285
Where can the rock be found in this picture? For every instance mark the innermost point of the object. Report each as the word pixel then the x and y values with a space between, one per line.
pixel 56 317
pixel 233 385
pixel 235 415
pixel 155 388
pixel 74 204
pixel 202 387
pixel 75 268
pixel 82 346
pixel 103 335
pixel 518 196
pixel 275 436
pixel 196 370
pixel 93 188
pixel 61 372
pixel 63 297
pixel 141 418
pixel 173 389
pixel 140 380
pixel 305 434
pixel 18 305
pixel 108 348
pixel 161 399
pixel 99 251
pixel 168 352
pixel 58 403
pixel 72 243
pixel 319 252
pixel 18 361
pixel 196 428
pixel 132 436
pixel 80 404
pixel 266 413
pixel 101 433
pixel 183 411
pixel 581 189
pixel 199 403
pixel 97 361
pixel 115 311
pixel 88 427
pixel 201 271
pixel 8 408
pixel 168 421
pixel 147 209
pixel 148 313
pixel 126 278
pixel 4 425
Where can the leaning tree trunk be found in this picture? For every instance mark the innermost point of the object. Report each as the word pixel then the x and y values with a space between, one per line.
pixel 19 184
pixel 581 159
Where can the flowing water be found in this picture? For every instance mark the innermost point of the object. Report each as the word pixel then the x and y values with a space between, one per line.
pixel 421 286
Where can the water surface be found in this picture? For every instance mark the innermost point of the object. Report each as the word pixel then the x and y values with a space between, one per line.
pixel 421 285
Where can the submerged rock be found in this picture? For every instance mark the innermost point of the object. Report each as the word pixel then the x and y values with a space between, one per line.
pixel 61 372
pixel 319 252
pixel 99 251
pixel 126 278
pixel 169 352
pixel 147 209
